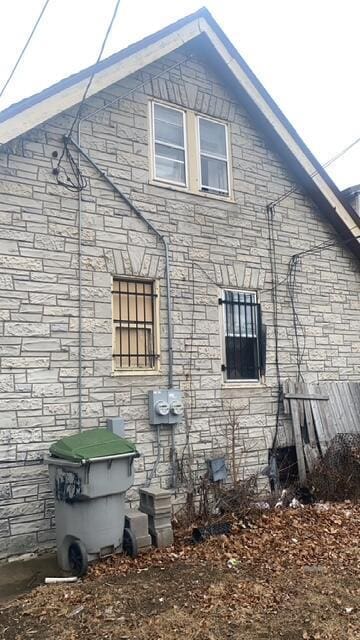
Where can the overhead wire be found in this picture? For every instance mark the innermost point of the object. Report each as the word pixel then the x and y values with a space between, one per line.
pixel 87 88
pixel 290 279
pixel 21 55
pixel 333 159
pixel 78 182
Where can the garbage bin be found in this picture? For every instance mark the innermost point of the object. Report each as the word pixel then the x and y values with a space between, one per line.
pixel 90 473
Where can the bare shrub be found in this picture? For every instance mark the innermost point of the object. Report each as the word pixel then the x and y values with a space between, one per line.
pixel 337 476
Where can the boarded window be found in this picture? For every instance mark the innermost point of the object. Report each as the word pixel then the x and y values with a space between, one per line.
pixel 134 330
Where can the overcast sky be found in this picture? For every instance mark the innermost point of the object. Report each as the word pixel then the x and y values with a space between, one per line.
pixel 305 52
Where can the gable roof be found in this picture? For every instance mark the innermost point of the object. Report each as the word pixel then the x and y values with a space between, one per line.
pixel 31 112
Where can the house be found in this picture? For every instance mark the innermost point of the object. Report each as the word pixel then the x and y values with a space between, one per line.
pixel 152 248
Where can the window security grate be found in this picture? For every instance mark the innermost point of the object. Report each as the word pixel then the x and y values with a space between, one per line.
pixel 244 336
pixel 134 343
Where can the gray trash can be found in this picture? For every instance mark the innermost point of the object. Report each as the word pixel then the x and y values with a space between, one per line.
pixel 90 473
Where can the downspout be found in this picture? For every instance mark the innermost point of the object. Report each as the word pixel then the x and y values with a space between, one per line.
pixel 80 287
pixel 149 224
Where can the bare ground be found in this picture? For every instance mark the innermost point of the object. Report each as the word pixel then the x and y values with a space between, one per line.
pixel 295 576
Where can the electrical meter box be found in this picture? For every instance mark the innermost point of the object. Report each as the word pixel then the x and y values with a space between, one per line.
pixel 165 406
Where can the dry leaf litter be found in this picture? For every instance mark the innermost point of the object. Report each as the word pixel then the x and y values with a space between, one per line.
pixel 293 575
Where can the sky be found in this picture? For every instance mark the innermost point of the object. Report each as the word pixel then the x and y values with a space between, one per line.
pixel 305 52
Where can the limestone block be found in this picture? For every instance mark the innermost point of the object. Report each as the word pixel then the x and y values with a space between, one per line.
pixel 27 329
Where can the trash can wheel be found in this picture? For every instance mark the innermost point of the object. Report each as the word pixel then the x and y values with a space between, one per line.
pixel 78 558
pixel 129 543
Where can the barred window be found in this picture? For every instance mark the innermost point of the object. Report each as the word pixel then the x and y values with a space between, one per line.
pixel 134 324
pixel 244 336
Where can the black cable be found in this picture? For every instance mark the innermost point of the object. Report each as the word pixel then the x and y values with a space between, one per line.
pixel 298 326
pixel 77 181
pixel 270 212
pixel 24 48
pixel 324 166
pixel 80 181
pixel 78 114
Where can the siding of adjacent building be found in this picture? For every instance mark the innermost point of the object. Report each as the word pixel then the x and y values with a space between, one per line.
pixel 213 244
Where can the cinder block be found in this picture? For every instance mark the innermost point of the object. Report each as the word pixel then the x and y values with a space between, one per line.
pixel 159 522
pixel 137 521
pixel 144 542
pixel 155 501
pixel 163 537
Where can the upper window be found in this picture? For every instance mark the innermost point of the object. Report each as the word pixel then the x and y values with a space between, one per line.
pixel 134 324
pixel 169 143
pixel 190 151
pixel 213 156
pixel 243 336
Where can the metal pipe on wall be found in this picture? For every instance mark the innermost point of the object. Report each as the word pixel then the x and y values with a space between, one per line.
pixel 152 227
pixel 80 285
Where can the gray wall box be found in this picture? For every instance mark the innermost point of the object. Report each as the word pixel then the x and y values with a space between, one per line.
pixel 117 426
pixel 165 406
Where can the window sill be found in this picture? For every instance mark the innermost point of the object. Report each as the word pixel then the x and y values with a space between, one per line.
pixel 201 194
pixel 244 385
pixel 135 372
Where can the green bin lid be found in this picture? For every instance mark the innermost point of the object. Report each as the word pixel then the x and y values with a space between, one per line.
pixel 90 444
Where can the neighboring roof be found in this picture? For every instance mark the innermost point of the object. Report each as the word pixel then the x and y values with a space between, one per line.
pixel 31 112
pixel 354 190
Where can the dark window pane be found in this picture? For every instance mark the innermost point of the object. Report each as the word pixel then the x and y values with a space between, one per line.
pixel 241 335
pixel 241 358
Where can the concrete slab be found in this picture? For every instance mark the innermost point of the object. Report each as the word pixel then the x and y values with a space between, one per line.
pixel 21 576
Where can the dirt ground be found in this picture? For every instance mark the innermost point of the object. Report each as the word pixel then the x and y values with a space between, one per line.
pixel 294 576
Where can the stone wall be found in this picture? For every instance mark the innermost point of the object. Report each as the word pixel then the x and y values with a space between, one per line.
pixel 213 244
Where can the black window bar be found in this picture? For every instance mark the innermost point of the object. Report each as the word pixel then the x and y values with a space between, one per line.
pixel 244 336
pixel 134 324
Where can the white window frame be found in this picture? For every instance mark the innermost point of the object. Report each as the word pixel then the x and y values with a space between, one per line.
pixel 206 188
pixel 184 185
pixel 222 323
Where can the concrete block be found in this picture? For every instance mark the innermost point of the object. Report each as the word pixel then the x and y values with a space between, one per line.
pixel 136 521
pixel 156 501
pixel 144 542
pixel 163 538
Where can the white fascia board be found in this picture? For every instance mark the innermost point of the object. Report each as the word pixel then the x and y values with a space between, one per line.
pixel 279 128
pixel 59 102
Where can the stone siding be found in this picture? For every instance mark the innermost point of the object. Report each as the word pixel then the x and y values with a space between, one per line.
pixel 214 243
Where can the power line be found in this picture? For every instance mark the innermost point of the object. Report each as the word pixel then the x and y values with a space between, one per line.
pixel 79 182
pixel 78 114
pixel 24 48
pixel 337 156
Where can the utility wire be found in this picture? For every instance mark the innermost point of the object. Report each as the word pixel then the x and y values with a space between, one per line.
pixel 87 88
pixel 79 182
pixel 24 48
pixel 324 166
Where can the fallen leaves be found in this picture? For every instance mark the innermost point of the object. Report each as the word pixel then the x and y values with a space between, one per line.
pixel 295 574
